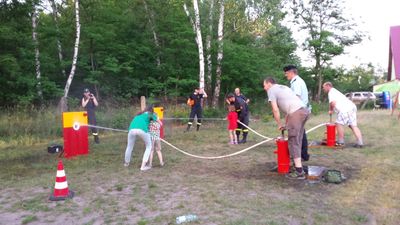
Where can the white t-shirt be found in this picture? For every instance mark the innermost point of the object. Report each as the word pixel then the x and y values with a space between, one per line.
pixel 342 104
pixel 285 98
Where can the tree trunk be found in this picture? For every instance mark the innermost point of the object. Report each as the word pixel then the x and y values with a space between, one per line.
pixel 59 47
pixel 208 50
pixel 318 70
pixel 200 42
pixel 319 86
pixel 37 53
pixel 93 66
pixel 220 55
pixel 153 30
pixel 190 18
pixel 63 102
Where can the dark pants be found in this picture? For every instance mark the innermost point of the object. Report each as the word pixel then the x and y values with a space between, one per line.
pixel 304 147
pixel 196 111
pixel 241 128
pixel 92 121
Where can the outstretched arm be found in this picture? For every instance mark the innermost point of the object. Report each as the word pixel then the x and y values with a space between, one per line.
pixel 277 115
pixel 331 107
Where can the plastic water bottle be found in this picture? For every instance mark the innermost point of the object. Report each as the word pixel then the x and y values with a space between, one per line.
pixel 186 218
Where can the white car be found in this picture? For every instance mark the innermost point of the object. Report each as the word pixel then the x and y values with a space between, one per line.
pixel 361 96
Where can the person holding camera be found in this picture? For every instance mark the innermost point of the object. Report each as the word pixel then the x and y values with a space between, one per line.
pixel 89 102
pixel 195 102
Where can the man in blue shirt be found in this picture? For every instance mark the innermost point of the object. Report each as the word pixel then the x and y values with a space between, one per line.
pixel 299 87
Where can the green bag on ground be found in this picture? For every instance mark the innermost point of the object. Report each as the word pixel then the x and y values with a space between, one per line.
pixel 333 176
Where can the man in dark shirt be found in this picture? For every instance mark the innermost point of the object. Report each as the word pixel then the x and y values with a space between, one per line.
pixel 195 101
pixel 89 102
pixel 239 94
pixel 243 115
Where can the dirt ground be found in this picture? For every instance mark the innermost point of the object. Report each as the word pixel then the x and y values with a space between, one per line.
pixel 236 190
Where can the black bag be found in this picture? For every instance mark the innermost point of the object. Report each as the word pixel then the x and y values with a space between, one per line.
pixel 55 149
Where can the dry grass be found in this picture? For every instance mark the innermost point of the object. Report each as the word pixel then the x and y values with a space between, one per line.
pixel 237 190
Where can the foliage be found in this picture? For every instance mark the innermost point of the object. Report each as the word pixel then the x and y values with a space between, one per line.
pixel 118 57
pixel 328 32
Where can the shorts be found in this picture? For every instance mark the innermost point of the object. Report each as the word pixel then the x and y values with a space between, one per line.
pixel 347 118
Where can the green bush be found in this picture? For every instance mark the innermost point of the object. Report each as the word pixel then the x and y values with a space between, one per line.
pixel 267 118
pixel 318 108
pixel 177 112
pixel 214 113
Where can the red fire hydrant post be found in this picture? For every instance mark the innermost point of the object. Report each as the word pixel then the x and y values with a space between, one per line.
pixel 283 156
pixel 75 132
pixel 330 134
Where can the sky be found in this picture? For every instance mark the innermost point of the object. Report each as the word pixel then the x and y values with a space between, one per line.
pixel 375 18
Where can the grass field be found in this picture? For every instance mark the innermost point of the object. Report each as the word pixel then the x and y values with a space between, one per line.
pixel 236 190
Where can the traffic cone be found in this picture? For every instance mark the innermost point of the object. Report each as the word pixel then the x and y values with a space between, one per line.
pixel 61 191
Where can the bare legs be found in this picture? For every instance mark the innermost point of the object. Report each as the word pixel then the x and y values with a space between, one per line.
pixel 233 137
pixel 356 132
pixel 156 146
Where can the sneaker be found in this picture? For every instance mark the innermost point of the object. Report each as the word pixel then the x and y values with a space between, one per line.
pixel 358 146
pixel 296 175
pixel 126 164
pixel 231 143
pixel 162 164
pixel 338 144
pixel 145 168
pixel 242 142
pixel 236 143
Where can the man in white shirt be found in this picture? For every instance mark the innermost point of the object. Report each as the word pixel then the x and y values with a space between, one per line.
pixel 299 87
pixel 346 114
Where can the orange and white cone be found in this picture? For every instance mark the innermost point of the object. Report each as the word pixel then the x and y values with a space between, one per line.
pixel 61 191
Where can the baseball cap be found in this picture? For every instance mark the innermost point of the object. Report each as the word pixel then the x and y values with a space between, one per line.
pixel 289 67
pixel 231 95
pixel 86 90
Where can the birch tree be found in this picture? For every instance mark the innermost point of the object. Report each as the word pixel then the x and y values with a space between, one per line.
pixel 37 53
pixel 199 40
pixel 208 48
pixel 59 47
pixel 150 16
pixel 63 102
pixel 220 54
